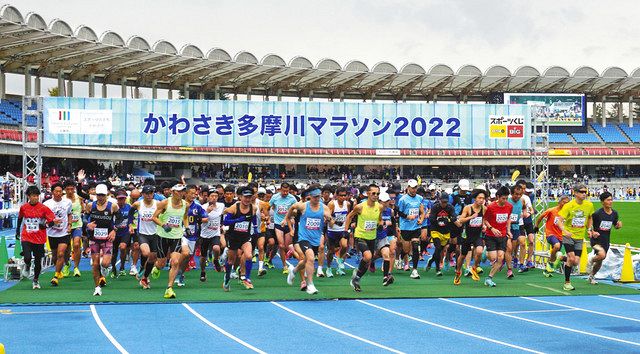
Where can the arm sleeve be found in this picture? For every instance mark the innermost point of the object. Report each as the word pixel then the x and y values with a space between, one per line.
pixel 19 227
pixel 132 212
pixel 596 221
pixel 229 220
pixel 81 193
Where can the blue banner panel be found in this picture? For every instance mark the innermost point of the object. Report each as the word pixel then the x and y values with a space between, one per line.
pixel 129 122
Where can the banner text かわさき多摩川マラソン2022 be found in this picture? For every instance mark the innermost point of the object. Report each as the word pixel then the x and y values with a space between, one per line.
pixel 148 122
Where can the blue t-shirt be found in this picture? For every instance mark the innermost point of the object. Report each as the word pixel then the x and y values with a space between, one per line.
pixel 196 212
pixel 311 225
pixel 282 206
pixel 409 206
pixel 427 205
pixel 382 232
pixel 122 229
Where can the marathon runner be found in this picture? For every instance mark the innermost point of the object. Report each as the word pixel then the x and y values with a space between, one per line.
pixel 497 221
pixel 210 237
pixel 337 238
pixel 280 203
pixel 604 219
pixel 517 240
pixel 33 219
pixel 553 234
pixel 197 216
pixel 471 240
pixel 172 222
pixel 412 214
pixel 58 233
pixel 123 235
pixel 442 216
pixel 77 205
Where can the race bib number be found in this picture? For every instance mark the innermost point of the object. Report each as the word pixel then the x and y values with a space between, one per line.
pixel 340 218
pixel 578 222
pixel 146 216
pixel 214 225
pixel 282 210
pixel 123 223
pixel 312 224
pixel 31 225
pixel 242 226
pixel 414 211
pixel 514 217
pixel 75 217
pixel 557 220
pixel 174 221
pixel 370 225
pixel 606 225
pixel 476 222
pixel 100 233
pixel 502 218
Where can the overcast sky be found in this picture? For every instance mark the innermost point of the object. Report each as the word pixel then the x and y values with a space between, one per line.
pixel 540 33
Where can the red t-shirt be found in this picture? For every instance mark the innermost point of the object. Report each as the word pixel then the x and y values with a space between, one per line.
pixel 32 215
pixel 497 216
pixel 551 227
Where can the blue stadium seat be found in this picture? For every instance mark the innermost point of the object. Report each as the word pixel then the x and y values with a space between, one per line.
pixel 587 138
pixel 559 138
pixel 632 132
pixel 609 134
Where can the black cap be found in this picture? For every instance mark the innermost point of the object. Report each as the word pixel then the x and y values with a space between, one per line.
pixel 148 189
pixel 444 196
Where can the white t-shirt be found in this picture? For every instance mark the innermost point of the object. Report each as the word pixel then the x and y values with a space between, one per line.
pixel 212 227
pixel 61 210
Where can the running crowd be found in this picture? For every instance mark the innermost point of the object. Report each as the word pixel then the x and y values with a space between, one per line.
pixel 231 229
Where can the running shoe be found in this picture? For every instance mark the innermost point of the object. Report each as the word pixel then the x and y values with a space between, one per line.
pixel 113 275
pixel 144 283
pixel 102 282
pixel 65 270
pixel 35 285
pixel 474 274
pixel 303 285
pixel 547 274
pixel 311 289
pixel 388 280
pixel 97 291
pixel 226 284
pixel 439 273
pixel 479 270
pixel 169 294
pixel 192 263
pixel 523 268
pixel 489 282
pixel 133 270
pixel 54 281
pixel 285 270
pixel 234 275
pixel 24 272
pixel 262 272
pixel 398 264
pixel 452 263
pixel 509 274
pixel 290 275
pixel 329 273
pixel 548 267
pixel 592 280
pixel 456 279
pixel 319 273
pixel 155 273
pixel 559 259
pixel 216 266
pixel 568 287
pixel 122 273
pixel 269 265
pixel 181 281
pixel 372 267
pixel 355 283
pixel 242 277
pixel 414 274
pixel 203 277
pixel 340 271
pixel 530 264
pixel 406 267
pixel 247 284
pixel 467 272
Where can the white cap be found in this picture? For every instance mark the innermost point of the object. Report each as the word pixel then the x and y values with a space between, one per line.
pixel 384 197
pixel 529 190
pixel 464 184
pixel 448 190
pixel 412 183
pixel 432 187
pixel 481 186
pixel 102 189
pixel 178 187
pixel 492 192
pixel 272 188
pixel 261 190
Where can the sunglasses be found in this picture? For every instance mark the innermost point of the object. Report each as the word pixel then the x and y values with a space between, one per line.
pixel 342 195
pixel 374 193
pixel 582 191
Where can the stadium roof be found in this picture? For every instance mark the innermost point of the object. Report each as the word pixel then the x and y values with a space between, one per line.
pixel 56 50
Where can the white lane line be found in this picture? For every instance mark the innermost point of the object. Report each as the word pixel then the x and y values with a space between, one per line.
pixel 335 329
pixel 538 311
pixel 581 309
pixel 548 288
pixel 227 334
pixel 542 323
pixel 9 312
pixel 105 331
pixel 448 328
pixel 620 298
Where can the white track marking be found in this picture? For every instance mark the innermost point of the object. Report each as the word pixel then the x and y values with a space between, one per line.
pixel 542 323
pixel 548 288
pixel 538 311
pixel 581 309
pixel 9 312
pixel 335 329
pixel 227 334
pixel 621 299
pixel 105 331
pixel 448 328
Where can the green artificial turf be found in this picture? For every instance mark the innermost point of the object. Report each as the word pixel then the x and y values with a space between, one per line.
pixel 629 213
pixel 273 286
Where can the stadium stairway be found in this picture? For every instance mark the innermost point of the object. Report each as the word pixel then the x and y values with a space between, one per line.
pixel 609 134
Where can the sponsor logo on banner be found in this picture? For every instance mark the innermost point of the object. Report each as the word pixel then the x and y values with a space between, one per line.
pixel 388 152
pixel 80 121
pixel 506 127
